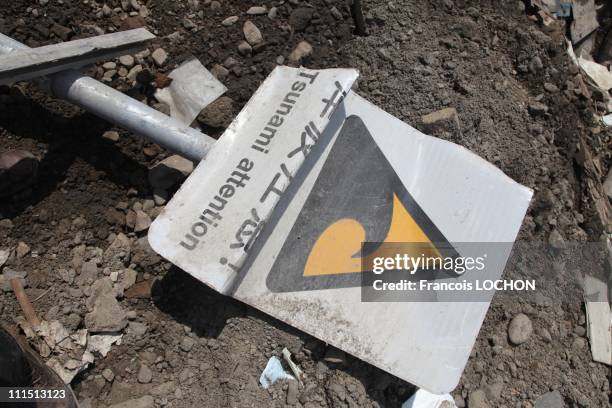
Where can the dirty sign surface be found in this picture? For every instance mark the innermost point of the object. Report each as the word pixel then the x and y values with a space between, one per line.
pixel 214 218
pixel 369 177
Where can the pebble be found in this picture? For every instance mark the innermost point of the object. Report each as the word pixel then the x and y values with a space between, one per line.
pixel 22 249
pixel 273 13
pixel 520 329
pixel 218 114
pixel 292 393
pixel 219 72
pixel 109 65
pixel 252 33
pixel 231 20
pixel 133 73
pixel 127 61
pixel 537 108
pixel 556 240
pixel 145 375
pixel 159 57
pixel 257 10
pixel 187 344
pixel 477 399
pixel 245 49
pixel 301 51
pixel 111 135
pixel 143 221
pixel 169 172
pixel 108 374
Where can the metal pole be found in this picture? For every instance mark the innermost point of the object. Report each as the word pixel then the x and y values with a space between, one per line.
pixel 120 109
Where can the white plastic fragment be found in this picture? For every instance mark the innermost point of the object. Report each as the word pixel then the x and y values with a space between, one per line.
pixel 425 399
pixel 193 87
pixel 273 372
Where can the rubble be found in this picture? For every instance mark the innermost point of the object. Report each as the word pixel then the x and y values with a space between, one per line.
pixel 520 329
pixel 169 172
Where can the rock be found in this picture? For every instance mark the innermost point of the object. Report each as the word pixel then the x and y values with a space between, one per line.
pixel 219 72
pixel 137 329
pixel 302 50
pixel 334 356
pixel 160 197
pixel 220 113
pixel 493 391
pixel 106 11
pixel 257 10
pixel 477 399
pixel 520 329
pixel 336 13
pixel 108 374
pixel 292 393
pixel 62 32
pixel 143 221
pixel 108 66
pixel 133 73
pixel 159 57
pixel 537 109
pixel 273 13
pixel 189 24
pixel 145 375
pixel 556 240
pixel 252 33
pixel 187 344
pixel 22 249
pixel 607 185
pixel 128 278
pixel 443 123
pixel 300 18
pixel 106 314
pixel 7 275
pixel 111 135
pixel 4 256
pixel 89 273
pixel 551 399
pixel 143 402
pixel 552 88
pixel 127 61
pixel 215 5
pixel 231 20
pixel 245 49
pixel 169 172
pixel 535 65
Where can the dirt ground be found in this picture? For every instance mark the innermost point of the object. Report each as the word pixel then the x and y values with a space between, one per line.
pixel 185 345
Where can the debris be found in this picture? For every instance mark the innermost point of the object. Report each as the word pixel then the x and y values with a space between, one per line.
pixel 297 371
pixel 145 375
pixel 245 49
pixel 273 372
pixel 301 51
pixel 520 329
pixel 22 249
pixel 49 59
pixel 28 310
pixel 552 399
pixel 584 21
pixel 193 88
pixel 101 343
pixel 111 135
pixel 105 313
pixel 4 256
pixel 143 221
pixel 599 319
pixel 425 399
pixel 140 290
pixel 252 33
pixel 169 172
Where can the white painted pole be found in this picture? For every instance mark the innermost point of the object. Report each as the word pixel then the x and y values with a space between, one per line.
pixel 120 109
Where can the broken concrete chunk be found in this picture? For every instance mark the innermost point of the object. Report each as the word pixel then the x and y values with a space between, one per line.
pixel 169 172
pixel 106 314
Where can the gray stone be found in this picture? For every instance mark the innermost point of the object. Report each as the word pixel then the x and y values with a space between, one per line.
pixel 231 20
pixel 257 10
pixel 127 61
pixel 145 375
pixel 478 399
pixel 292 392
pixel 106 314
pixel 4 256
pixel 187 344
pixel 245 49
pixel 108 374
pixel 520 329
pixel 556 240
pixel 111 135
pixel 252 33
pixel 607 185
pixel 301 51
pixel 143 221
pixel 160 56
pixel 551 399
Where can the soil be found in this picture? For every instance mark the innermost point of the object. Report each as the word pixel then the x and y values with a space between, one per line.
pixel 488 60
